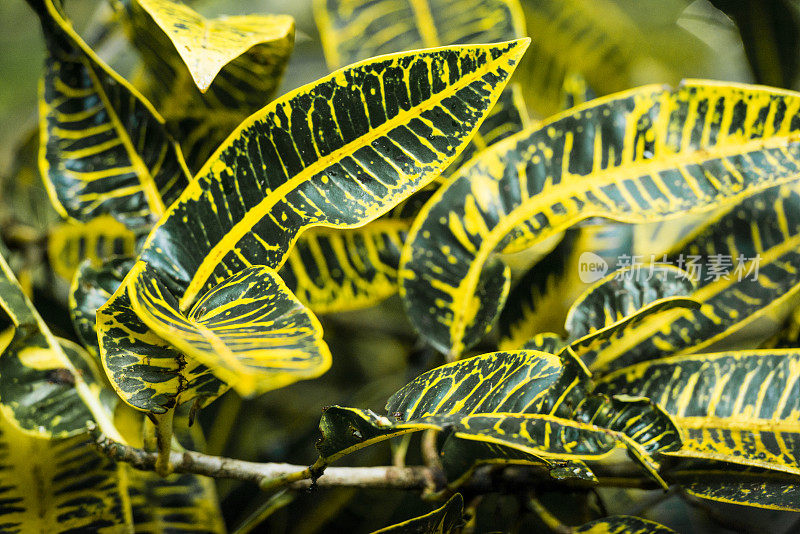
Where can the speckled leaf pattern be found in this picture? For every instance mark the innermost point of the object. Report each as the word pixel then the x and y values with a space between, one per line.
pixel 635 157
pixel 250 330
pixel 739 407
pixel 623 524
pixel 754 249
pixel 60 486
pixel 50 390
pixel 333 270
pixel 352 31
pixel 446 519
pixel 204 96
pixel 104 148
pixel 70 243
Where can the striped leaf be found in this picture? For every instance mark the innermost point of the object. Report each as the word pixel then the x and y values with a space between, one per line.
pixel 352 31
pixel 739 407
pixel 746 263
pixel 47 390
pixel 623 524
pixel 337 270
pixel 105 150
pixel 732 484
pixel 638 156
pixel 275 178
pixel 540 300
pixel 250 330
pixel 60 485
pixel 446 519
pixel 91 287
pixel 206 76
pixel 70 243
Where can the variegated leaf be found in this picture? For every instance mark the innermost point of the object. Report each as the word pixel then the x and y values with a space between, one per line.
pixel 447 519
pixel 276 177
pixel 206 76
pixel 70 243
pixel 47 390
pixel 337 270
pixel 746 264
pixel 250 330
pixel 637 156
pixel 105 150
pixel 739 407
pixel 60 486
pixel 623 524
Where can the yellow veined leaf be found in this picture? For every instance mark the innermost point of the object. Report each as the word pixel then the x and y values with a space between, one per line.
pixel 60 485
pixel 734 484
pixel 250 330
pixel 623 524
pixel 48 390
pixel 352 31
pixel 70 243
pixel 337 270
pixel 738 407
pixel 206 46
pixel 104 148
pixel 745 262
pixel 541 299
pixel 274 178
pixel 642 155
pixel 91 287
pixel 251 54
pixel 444 520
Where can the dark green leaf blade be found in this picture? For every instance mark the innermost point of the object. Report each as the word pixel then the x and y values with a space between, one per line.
pixel 444 520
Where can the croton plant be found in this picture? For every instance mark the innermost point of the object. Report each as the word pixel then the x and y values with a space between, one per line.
pixel 591 301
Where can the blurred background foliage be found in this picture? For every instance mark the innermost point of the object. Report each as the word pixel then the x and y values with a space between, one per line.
pixel 644 41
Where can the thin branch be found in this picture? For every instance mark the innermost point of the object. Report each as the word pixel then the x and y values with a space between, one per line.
pixel 384 477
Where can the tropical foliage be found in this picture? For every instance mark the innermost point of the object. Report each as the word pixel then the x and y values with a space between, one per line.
pixel 563 262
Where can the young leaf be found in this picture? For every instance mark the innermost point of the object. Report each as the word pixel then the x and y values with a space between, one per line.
pixel 738 407
pixel 444 520
pixel 48 390
pixel 104 148
pixel 70 243
pixel 250 329
pixel 759 240
pixel 278 175
pixel 643 155
pixel 206 46
pixel 60 486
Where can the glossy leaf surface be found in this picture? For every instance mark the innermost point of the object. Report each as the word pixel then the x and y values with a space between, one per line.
pixel 637 156
pixel 623 524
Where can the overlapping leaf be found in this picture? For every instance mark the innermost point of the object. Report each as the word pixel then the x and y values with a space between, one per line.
pixel 207 76
pixel 250 329
pixel 739 407
pixel 47 390
pixel 281 174
pixel 105 150
pixel 60 485
pixel 637 156
pixel 746 265
pixel 444 520
pixel 70 243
